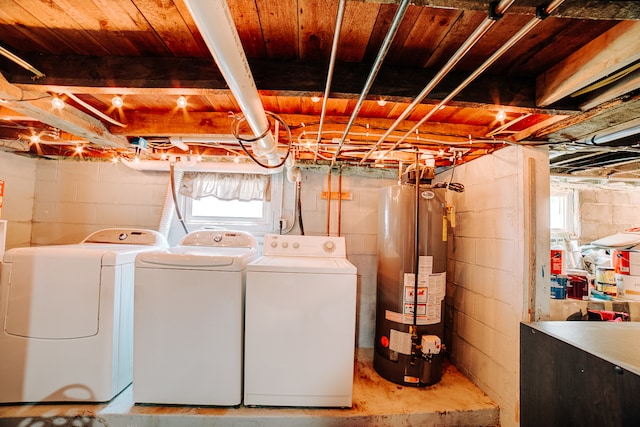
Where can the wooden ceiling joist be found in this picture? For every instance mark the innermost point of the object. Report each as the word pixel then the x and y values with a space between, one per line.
pixel 69 119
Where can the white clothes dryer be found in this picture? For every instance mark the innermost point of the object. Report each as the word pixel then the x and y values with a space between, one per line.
pixel 300 318
pixel 189 310
pixel 67 317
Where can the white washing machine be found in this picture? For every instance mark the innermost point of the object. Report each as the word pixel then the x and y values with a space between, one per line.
pixel 67 317
pixel 300 318
pixel 189 309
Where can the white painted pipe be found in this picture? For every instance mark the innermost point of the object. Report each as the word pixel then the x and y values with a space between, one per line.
pixel 215 23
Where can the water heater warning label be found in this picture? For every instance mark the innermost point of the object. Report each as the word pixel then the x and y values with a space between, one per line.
pixel 431 291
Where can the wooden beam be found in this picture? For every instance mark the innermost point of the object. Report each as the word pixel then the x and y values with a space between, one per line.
pixel 578 9
pixel 621 87
pixel 200 76
pixel 604 55
pixel 38 105
pixel 207 124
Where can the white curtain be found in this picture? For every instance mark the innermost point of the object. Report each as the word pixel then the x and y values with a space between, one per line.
pixel 226 186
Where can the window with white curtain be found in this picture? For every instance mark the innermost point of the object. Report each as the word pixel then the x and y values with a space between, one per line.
pixel 230 200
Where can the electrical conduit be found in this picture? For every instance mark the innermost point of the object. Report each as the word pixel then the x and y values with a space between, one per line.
pixel 480 31
pixel 542 14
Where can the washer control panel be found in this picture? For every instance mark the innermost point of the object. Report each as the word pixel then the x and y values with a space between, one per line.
pixel 304 246
pixel 220 238
pixel 130 236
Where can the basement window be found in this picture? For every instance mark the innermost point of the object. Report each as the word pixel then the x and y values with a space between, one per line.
pixel 231 201
pixel 561 212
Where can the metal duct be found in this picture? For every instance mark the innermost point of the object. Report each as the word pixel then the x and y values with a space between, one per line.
pixel 215 23
pixel 480 31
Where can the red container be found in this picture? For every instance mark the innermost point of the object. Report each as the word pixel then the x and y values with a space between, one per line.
pixel 620 260
pixel 556 261
pixel 577 287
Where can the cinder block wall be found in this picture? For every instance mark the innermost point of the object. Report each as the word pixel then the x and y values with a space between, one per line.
pixel 76 198
pixel 19 175
pixel 606 210
pixel 497 254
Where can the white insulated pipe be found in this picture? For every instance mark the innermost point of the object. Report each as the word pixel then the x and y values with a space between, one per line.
pixel 215 23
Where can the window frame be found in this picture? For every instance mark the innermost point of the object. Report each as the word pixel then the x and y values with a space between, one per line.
pixel 567 201
pixel 267 223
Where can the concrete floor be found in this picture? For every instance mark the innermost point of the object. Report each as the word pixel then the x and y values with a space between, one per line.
pixel 454 401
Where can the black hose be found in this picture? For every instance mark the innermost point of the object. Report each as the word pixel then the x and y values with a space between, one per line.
pixel 298 185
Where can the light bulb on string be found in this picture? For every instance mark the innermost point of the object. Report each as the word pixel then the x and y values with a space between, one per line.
pixel 57 103
pixel 117 102
pixel 181 102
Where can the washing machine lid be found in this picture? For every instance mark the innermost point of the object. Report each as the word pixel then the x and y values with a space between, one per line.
pixel 53 293
pixel 326 265
pixel 194 257
pixel 109 254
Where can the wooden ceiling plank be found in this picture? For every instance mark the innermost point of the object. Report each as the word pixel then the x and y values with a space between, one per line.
pixel 279 22
pixel 604 55
pixel 361 23
pixel 166 20
pixel 129 24
pixel 456 36
pixel 34 34
pixel 317 21
pixel 419 44
pixel 69 119
pixel 59 20
pixel 247 21
pixel 100 27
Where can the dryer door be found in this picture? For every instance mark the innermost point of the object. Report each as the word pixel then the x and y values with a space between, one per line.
pixel 53 294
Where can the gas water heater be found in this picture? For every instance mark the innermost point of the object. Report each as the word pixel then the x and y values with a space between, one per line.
pixel 412 229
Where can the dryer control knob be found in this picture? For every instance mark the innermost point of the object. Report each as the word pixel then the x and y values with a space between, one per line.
pixel 329 246
pixel 285 245
pixel 217 238
pixel 123 236
pixel 296 245
pixel 274 244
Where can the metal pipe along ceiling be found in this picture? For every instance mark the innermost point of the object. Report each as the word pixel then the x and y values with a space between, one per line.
pixel 386 44
pixel 473 38
pixel 215 23
pixel 497 54
pixel 332 62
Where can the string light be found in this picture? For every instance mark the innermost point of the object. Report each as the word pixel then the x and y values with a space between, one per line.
pixel 382 102
pixel 117 102
pixel 35 139
pixel 78 149
pixel 57 103
pixel 501 115
pixel 315 99
pixel 181 102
